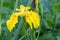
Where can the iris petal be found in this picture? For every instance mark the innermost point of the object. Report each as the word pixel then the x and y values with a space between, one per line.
pixel 11 22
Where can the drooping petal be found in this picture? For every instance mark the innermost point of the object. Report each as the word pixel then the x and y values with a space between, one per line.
pixel 35 19
pixel 12 22
pixel 28 20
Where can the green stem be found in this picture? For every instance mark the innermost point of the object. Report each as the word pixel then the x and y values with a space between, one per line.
pixel 41 10
pixel 30 1
pixel 33 37
pixel 41 6
pixel 16 3
pixel 26 34
pixel 1 4
pixel 37 9
pixel 23 36
pixel 38 34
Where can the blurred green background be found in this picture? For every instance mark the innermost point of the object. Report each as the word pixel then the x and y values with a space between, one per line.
pixel 49 11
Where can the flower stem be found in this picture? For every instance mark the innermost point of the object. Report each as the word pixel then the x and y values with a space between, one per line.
pixel 41 6
pixel 1 4
pixel 16 3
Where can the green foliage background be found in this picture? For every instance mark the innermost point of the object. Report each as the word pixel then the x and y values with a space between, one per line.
pixel 49 11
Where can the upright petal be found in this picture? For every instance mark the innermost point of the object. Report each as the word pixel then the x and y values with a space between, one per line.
pixel 22 6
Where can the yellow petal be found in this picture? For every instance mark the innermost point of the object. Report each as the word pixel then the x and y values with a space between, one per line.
pixel 17 9
pixel 11 22
pixel 28 20
pixel 27 8
pixel 20 14
pixel 35 19
pixel 22 6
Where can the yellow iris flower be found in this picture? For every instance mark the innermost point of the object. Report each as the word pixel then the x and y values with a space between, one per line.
pixel 31 18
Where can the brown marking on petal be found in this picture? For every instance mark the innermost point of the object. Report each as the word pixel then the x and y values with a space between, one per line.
pixel 27 16
pixel 15 15
pixel 30 14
